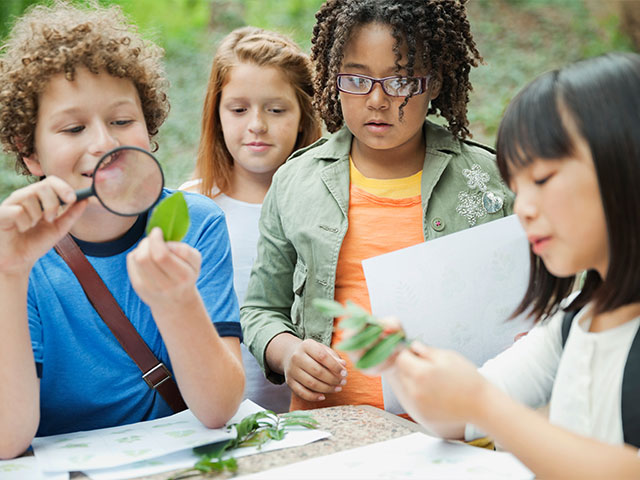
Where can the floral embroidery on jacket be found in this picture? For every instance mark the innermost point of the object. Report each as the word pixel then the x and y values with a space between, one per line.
pixel 476 205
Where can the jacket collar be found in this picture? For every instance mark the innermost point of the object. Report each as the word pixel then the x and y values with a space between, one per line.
pixel 441 146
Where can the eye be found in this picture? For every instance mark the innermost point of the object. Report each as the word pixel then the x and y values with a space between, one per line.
pixel 543 180
pixel 238 110
pixel 122 123
pixel 277 110
pixel 76 129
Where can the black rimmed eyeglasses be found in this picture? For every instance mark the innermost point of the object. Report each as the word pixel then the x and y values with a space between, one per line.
pixel 393 86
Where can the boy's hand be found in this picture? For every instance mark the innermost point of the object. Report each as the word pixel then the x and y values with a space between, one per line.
pixel 163 273
pixel 32 222
pixel 313 369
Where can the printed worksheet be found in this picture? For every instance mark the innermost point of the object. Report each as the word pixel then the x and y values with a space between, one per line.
pixel 27 467
pixel 414 456
pixel 455 292
pixel 110 447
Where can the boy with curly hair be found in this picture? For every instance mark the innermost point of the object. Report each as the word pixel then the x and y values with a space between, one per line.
pixel 386 180
pixel 76 83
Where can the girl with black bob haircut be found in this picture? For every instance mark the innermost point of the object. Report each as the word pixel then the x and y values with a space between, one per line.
pixel 568 146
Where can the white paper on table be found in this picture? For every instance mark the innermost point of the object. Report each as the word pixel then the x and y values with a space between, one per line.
pixel 414 456
pixel 26 468
pixel 456 291
pixel 110 447
pixel 295 437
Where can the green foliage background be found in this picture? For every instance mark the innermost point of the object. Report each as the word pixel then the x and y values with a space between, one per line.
pixel 519 39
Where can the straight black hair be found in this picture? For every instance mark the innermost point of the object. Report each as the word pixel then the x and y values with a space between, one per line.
pixel 602 97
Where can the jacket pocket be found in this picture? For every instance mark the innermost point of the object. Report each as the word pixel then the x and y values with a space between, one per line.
pixel 299 281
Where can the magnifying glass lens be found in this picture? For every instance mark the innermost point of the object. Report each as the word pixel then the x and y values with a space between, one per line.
pixel 128 181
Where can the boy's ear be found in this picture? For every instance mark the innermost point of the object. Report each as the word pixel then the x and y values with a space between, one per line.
pixel 33 165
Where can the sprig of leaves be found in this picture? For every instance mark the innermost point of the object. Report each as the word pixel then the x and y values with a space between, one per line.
pixel 172 216
pixel 252 431
pixel 370 334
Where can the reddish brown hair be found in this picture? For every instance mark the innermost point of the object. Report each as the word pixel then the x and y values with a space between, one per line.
pixel 214 164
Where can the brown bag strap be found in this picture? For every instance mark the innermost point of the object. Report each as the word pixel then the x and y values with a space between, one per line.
pixel 155 373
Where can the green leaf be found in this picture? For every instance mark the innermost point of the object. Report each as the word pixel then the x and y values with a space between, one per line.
pixel 172 216
pixel 330 308
pixel 353 323
pixel 361 340
pixel 213 450
pixel 380 352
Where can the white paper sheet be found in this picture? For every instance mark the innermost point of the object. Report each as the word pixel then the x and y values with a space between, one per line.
pixel 109 447
pixel 24 468
pixel 456 291
pixel 186 459
pixel 414 456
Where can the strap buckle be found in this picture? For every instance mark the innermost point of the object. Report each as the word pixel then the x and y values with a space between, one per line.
pixel 157 376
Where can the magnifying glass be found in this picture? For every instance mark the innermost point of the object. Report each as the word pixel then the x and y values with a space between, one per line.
pixel 127 181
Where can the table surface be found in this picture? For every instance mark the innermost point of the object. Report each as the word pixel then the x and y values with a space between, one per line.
pixel 350 426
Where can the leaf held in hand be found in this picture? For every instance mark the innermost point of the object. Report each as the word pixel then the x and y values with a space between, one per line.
pixel 380 352
pixel 361 339
pixel 172 216
pixel 330 308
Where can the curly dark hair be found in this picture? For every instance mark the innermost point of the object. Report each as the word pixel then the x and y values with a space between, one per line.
pixel 436 32
pixel 57 39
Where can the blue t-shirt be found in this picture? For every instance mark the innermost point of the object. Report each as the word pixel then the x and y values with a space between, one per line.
pixel 87 380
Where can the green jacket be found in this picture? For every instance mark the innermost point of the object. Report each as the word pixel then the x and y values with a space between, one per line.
pixel 305 218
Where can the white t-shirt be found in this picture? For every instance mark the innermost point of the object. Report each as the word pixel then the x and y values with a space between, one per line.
pixel 582 384
pixel 242 223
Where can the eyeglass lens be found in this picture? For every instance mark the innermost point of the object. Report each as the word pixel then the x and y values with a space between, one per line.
pixel 394 86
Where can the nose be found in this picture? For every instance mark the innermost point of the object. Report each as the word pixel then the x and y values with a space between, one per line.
pixel 525 206
pixel 257 123
pixel 102 139
pixel 377 99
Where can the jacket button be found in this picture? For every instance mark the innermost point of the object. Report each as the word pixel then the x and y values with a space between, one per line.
pixel 437 224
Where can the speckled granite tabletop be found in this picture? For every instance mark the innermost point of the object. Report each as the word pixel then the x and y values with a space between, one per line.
pixel 350 426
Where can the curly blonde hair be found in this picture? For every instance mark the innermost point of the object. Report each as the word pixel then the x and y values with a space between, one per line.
pixel 263 48
pixel 57 39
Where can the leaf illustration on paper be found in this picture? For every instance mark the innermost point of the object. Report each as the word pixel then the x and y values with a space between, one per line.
pixel 76 445
pixel 130 439
pixel 172 424
pixel 81 458
pixel 12 467
pixel 172 216
pixel 136 453
pixel 180 433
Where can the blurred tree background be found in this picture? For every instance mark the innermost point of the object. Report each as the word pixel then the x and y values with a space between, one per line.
pixel 519 39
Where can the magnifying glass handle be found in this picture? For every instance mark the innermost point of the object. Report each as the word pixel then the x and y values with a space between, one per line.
pixel 84 193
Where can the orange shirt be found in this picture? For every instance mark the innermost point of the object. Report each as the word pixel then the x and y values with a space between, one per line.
pixel 384 215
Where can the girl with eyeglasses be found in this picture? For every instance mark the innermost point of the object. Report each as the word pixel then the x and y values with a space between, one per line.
pixel 386 179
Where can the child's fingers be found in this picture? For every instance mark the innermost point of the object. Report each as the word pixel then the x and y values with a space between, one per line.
pixel 420 349
pixel 187 253
pixel 390 324
pixel 303 392
pixel 329 360
pixel 314 382
pixel 177 268
pixel 66 220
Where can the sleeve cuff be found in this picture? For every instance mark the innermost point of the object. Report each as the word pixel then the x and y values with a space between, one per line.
pixel 229 329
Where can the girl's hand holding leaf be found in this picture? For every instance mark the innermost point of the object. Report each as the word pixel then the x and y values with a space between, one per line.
pixel 371 343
